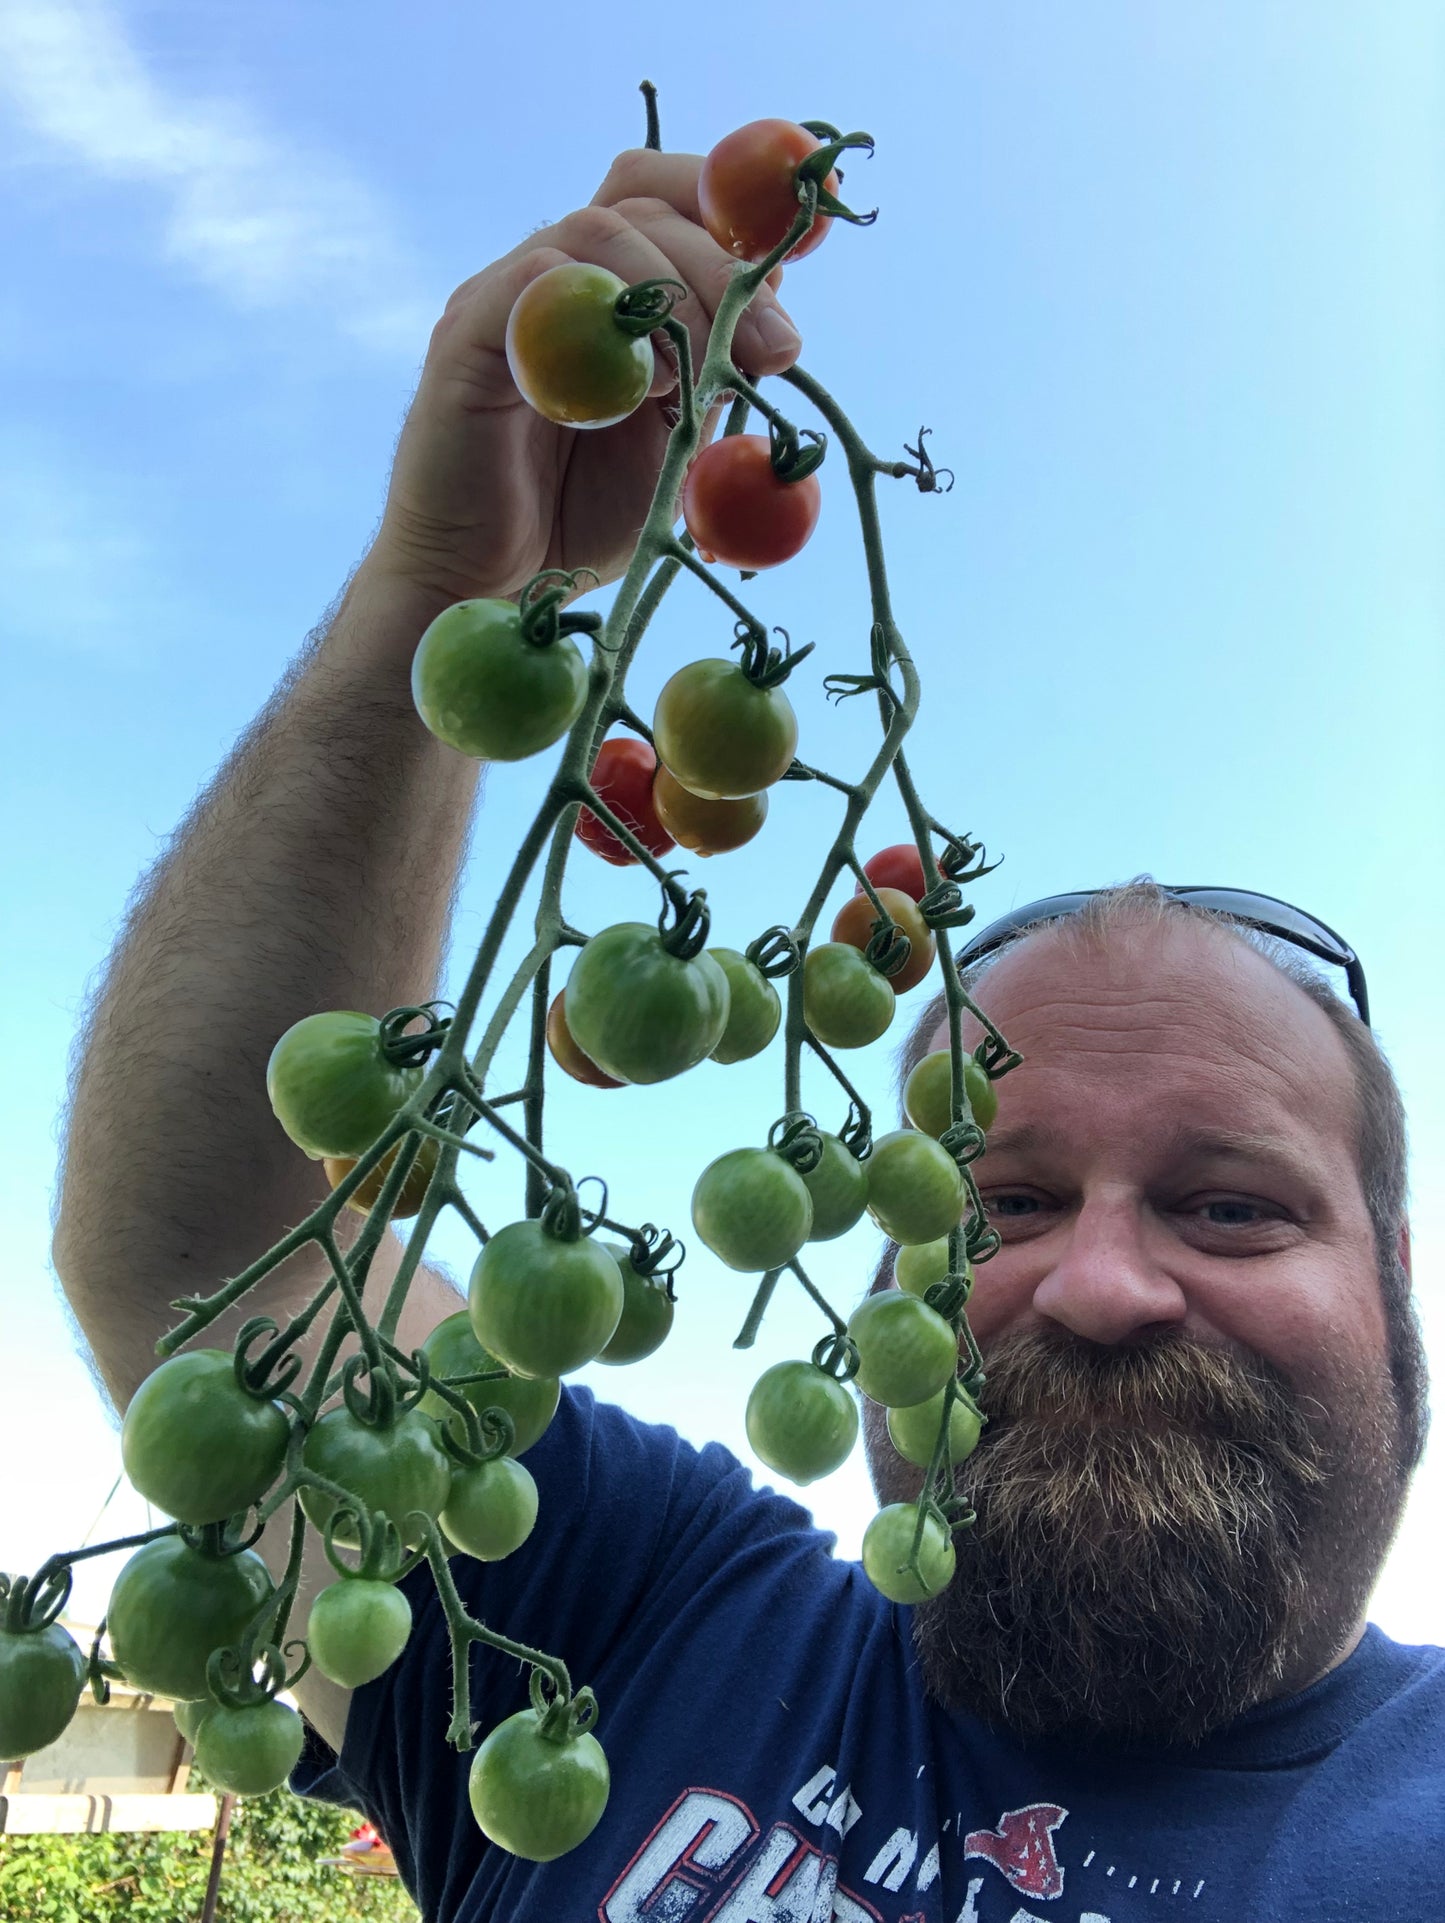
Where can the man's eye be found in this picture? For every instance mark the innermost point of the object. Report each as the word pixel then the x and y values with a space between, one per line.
pixel 1235 1212
pixel 1012 1206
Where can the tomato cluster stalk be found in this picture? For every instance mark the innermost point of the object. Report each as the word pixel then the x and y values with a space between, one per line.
pixel 449 1414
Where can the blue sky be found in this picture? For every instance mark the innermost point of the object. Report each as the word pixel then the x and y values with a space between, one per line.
pixel 1166 284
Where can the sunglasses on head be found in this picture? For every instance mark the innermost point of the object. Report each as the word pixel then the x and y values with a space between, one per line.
pixel 1271 917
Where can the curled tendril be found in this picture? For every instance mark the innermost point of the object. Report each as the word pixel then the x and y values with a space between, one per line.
pixel 964 859
pixel 796 1137
pixel 96 1673
pixel 686 936
pixel 841 687
pixel 652 1253
pixel 964 1141
pixel 231 1674
pixel 979 1240
pixel 888 947
pixel 944 907
pixel 221 1539
pixel 836 1355
pixel 775 953
pixel 643 307
pixel 35 1604
pixel 410 1050
pixel 541 601
pixel 591 1219
pixel 950 1296
pixel 764 666
pixel 856 1134
pixel 272 1373
pixel 418 1367
pixel 561 1216
pixel 790 460
pixel 995 1057
pixel 376 1405
pixel 928 476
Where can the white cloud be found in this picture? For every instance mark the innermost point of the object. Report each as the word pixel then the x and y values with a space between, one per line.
pixel 261 220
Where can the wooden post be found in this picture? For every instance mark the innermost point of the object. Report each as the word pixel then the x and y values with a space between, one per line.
pixel 218 1854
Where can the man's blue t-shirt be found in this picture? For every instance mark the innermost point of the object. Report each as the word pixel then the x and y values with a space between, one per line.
pixel 775 1760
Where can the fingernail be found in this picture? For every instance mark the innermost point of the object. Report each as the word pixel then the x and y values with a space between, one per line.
pixel 777 333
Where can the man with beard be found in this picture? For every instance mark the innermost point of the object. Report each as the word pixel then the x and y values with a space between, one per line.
pixel 1149 1690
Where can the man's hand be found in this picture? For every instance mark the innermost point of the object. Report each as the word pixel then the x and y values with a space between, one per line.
pixel 485 492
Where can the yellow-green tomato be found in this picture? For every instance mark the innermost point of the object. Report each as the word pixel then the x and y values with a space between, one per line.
pixel 570 359
pixel 452 1349
pixel 484 689
pixel 720 734
pixel 640 1013
pixel 915 1192
pixel 914 1432
pixel 839 1188
pixel 357 1629
pixel 647 1311
pixel 754 1009
pixel 906 1351
pixel 928 1093
pixel 801 1421
pixel 918 1265
pixel 331 1085
pixel 846 1002
pixel 198 1445
pixel 492 1508
pixel 544 1303
pixel 752 1209
pixel 887 1545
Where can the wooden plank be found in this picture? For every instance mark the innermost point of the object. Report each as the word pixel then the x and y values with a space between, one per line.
pixel 39 1815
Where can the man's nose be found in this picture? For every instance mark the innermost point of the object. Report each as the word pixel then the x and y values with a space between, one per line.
pixel 1106 1285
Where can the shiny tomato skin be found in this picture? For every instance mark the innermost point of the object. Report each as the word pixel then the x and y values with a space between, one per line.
pixel 569 358
pixel 413 1189
pixel 740 512
pixel 801 1422
pixel 531 1401
pixel 914 1432
pixel 928 1093
pixel 752 1209
pixel 641 1014
pixel 647 1312
pixel 198 1445
pixel 330 1085
pixel 398 1468
pixel 173 1605
pixel 541 1304
pixel 721 735
pixel 839 1188
pixel 484 689
pixel 252 1750
pixel 706 827
pixel 846 1002
pixel 915 1192
pixel 42 1672
pixel 900 867
pixel 754 1009
pixel 886 1544
pixel 356 1630
pixel 562 1046
pixel 622 776
pixel 535 1797
pixel 747 192
pixel 918 1265
pixel 854 925
pixel 907 1352
pixel 492 1508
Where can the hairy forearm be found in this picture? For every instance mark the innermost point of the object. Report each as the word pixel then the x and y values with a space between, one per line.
pixel 315 872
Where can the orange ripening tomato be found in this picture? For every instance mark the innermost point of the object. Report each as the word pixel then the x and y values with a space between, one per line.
pixel 748 195
pixel 900 867
pixel 706 827
pixel 565 1052
pixel 854 925
pixel 413 1189
pixel 739 512
pixel 622 776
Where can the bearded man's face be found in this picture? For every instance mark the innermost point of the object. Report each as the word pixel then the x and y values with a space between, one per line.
pixel 1191 1471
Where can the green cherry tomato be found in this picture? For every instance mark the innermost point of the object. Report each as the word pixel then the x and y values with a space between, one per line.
pixel 357 1629
pixel 752 1209
pixel 42 1672
pixel 887 1542
pixel 543 1304
pixel 198 1445
pixel 754 1009
pixel 396 1467
pixel 801 1421
pixel 839 1188
pixel 491 1509
pixel 173 1605
pixel 914 1432
pixel 918 1265
pixel 534 1795
pixel 484 689
pixel 570 359
pixel 906 1351
pixel 331 1086
pixel 928 1093
pixel 846 1002
pixel 452 1349
pixel 188 1717
pixel 639 1013
pixel 915 1192
pixel 647 1311
pixel 252 1750
pixel 721 735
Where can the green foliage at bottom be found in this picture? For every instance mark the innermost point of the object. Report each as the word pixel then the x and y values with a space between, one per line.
pixel 272 1873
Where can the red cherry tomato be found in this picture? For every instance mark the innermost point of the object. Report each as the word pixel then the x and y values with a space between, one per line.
pixel 622 775
pixel 565 1052
pixel 900 867
pixel 747 192
pixel 739 512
